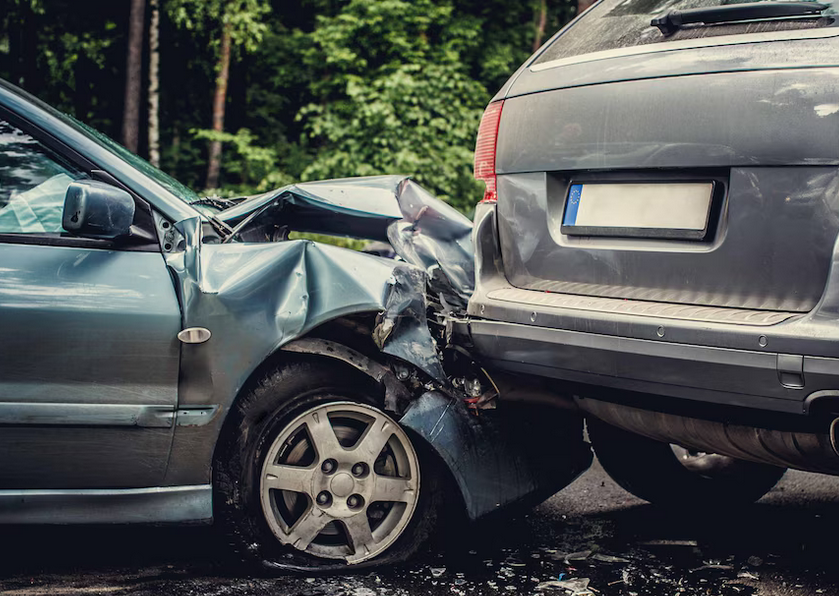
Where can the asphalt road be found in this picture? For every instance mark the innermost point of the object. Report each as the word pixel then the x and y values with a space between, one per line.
pixel 784 545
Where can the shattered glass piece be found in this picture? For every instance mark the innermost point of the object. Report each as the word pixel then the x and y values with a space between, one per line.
pixel 608 558
pixel 669 543
pixel 578 556
pixel 576 587
pixel 437 571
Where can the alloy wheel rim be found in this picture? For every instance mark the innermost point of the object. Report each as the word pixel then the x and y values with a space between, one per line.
pixel 341 481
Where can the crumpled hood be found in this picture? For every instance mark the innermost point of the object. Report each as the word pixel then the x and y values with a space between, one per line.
pixel 422 229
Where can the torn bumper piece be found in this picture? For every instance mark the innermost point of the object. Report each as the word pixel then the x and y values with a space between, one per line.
pixel 516 454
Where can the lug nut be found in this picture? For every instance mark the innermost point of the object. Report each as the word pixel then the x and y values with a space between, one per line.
pixel 359 469
pixel 355 501
pixel 328 466
pixel 324 498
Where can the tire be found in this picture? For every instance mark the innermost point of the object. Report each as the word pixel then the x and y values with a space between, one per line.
pixel 366 494
pixel 673 477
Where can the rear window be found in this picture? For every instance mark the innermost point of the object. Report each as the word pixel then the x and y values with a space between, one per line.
pixel 613 24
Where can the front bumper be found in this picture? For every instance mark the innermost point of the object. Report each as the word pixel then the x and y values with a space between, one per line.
pixel 783 365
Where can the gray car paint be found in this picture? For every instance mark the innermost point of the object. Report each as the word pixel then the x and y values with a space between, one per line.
pixel 731 364
pixel 759 112
pixel 760 118
pixel 794 257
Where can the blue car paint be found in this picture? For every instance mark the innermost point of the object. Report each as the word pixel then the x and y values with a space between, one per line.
pixel 255 296
pixel 84 328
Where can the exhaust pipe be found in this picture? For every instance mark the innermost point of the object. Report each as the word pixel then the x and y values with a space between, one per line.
pixel 809 451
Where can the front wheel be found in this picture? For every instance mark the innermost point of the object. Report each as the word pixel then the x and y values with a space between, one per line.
pixel 672 476
pixel 315 475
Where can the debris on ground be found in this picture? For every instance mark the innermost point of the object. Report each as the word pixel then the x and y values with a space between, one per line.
pixel 573 556
pixel 577 586
pixel 669 543
pixel 608 558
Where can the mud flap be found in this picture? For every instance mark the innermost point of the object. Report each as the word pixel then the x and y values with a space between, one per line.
pixel 515 454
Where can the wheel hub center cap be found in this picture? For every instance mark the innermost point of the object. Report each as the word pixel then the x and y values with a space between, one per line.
pixel 342 485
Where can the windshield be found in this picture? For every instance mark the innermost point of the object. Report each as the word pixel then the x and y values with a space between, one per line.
pixel 613 24
pixel 165 180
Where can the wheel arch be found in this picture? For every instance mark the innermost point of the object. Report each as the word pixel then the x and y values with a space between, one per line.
pixel 345 342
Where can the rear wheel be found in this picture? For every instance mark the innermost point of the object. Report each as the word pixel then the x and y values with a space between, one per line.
pixel 314 475
pixel 673 476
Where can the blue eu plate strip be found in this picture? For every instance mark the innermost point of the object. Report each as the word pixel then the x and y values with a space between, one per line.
pixel 575 193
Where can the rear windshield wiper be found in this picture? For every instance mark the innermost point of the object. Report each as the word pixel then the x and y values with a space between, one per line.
pixel 673 20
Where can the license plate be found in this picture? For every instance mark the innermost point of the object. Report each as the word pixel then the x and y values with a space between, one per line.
pixel 641 210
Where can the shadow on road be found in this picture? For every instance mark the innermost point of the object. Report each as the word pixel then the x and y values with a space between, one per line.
pixel 623 546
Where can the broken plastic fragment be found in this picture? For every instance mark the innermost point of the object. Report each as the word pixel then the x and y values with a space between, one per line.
pixel 576 587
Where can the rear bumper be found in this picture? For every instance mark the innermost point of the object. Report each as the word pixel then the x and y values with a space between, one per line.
pixel 781 366
pixel 729 377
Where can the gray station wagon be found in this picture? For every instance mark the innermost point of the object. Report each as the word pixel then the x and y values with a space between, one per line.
pixel 657 247
pixel 171 358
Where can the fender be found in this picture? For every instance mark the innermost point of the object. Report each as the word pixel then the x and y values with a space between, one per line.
pixel 397 396
pixel 516 454
pixel 492 457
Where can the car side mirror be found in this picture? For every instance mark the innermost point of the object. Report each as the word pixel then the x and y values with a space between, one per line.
pixel 97 210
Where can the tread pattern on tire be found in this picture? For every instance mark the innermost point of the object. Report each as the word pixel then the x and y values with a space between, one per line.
pixel 278 396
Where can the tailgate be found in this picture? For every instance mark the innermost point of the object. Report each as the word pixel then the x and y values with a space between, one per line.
pixel 727 185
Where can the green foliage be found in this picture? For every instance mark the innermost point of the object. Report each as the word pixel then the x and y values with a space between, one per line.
pixel 318 88
pixel 416 119
pixel 256 167
pixel 394 96
pixel 342 241
pixel 245 18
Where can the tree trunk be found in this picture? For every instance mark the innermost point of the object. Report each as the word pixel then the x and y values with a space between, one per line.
pixel 154 84
pixel 176 152
pixel 541 23
pixel 582 5
pixel 218 107
pixel 133 75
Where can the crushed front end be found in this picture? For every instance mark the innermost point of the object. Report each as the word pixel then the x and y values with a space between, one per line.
pixel 390 318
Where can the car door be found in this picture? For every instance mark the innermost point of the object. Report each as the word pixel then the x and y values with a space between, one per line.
pixel 88 335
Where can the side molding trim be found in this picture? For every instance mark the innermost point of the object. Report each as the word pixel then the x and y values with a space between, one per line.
pixel 170 504
pixel 51 414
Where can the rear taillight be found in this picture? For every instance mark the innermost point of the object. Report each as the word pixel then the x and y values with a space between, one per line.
pixel 485 150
